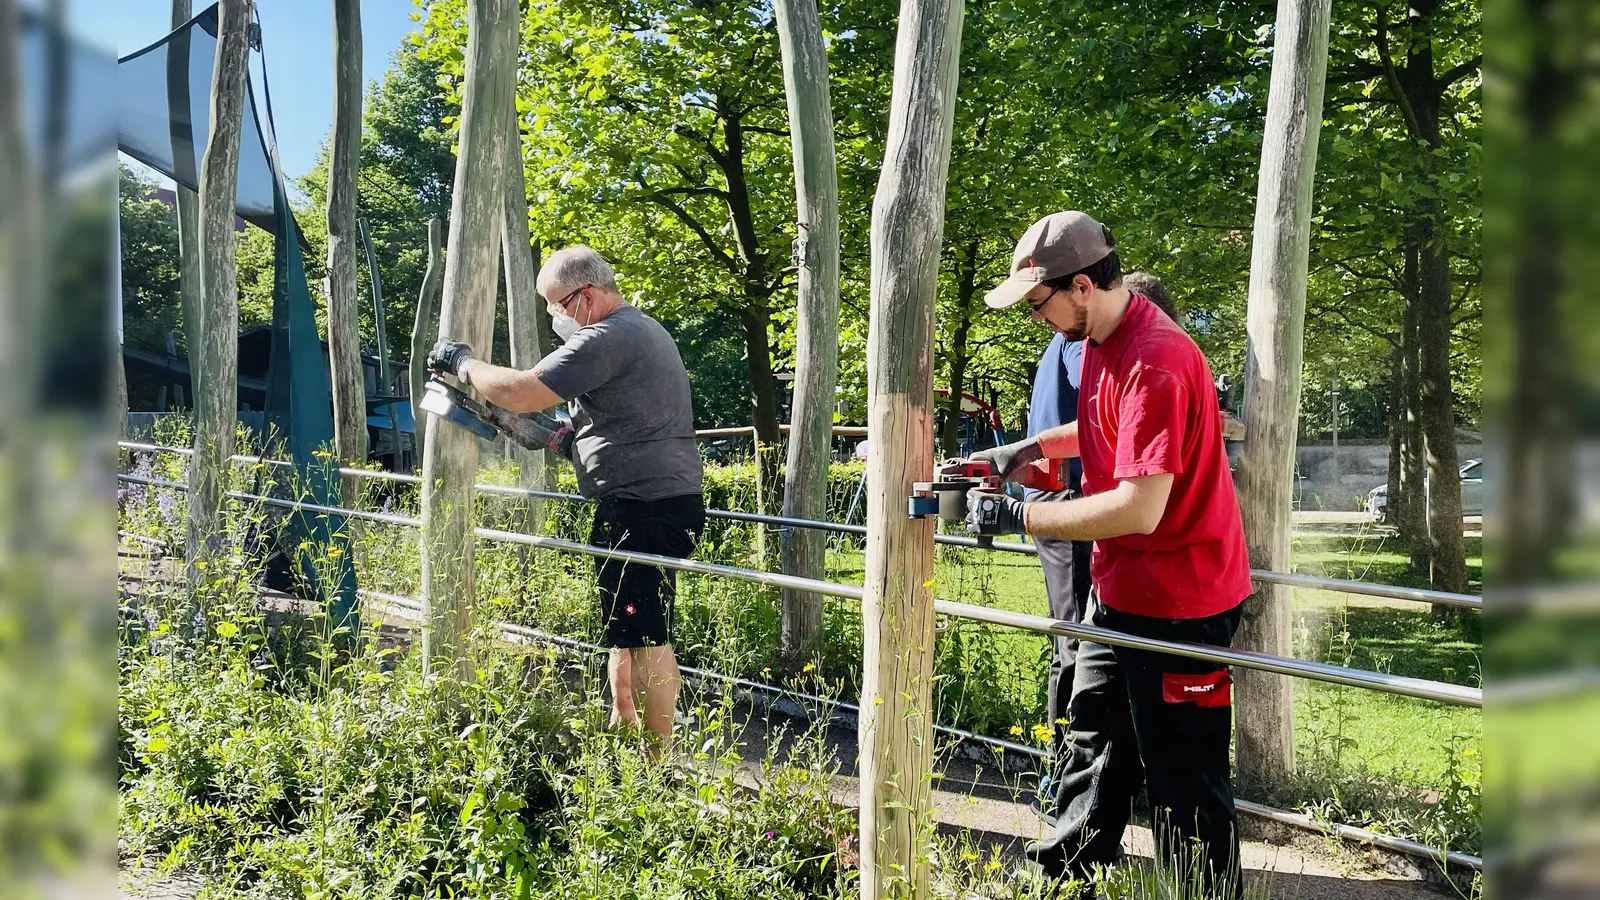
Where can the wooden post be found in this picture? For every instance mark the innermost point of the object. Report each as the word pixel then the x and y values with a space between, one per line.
pixel 344 313
pixel 385 382
pixel 816 185
pixel 450 456
pixel 522 304
pixel 186 201
pixel 897 609
pixel 425 329
pixel 1264 717
pixel 216 400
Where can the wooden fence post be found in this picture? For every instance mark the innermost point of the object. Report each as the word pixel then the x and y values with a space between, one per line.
pixel 344 313
pixel 522 305
pixel 425 331
pixel 216 401
pixel 897 609
pixel 1264 717
pixel 803 551
pixel 450 456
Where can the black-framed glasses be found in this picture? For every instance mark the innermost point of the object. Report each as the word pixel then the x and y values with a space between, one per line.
pixel 568 298
pixel 1035 307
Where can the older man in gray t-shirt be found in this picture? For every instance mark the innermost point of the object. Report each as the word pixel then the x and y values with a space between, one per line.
pixel 633 445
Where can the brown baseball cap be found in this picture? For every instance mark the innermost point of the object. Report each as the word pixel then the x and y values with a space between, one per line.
pixel 1058 244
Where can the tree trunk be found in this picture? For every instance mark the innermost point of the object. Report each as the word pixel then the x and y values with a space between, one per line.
pixel 344 314
pixel 1419 85
pixel 450 457
pixel 522 307
pixel 805 490
pixel 425 330
pixel 1396 422
pixel 1413 511
pixel 950 440
pixel 1264 714
pixel 186 201
pixel 1445 548
pixel 216 399
pixel 1534 507
pixel 768 437
pixel 896 732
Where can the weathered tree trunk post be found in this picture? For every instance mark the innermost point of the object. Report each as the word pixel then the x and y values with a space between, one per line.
pixel 522 305
pixel 805 492
pixel 425 329
pixel 216 400
pixel 1413 513
pixel 380 324
pixel 450 456
pixel 186 201
pixel 897 609
pixel 1277 311
pixel 344 312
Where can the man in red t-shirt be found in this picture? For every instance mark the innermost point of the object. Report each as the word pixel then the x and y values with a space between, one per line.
pixel 1169 562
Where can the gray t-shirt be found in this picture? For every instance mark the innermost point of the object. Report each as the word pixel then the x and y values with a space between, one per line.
pixel 631 411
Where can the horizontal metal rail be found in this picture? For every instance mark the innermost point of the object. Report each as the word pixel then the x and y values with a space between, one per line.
pixel 830 707
pixel 1440 692
pixel 1392 592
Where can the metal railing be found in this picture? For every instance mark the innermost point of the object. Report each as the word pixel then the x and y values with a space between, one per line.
pixel 1437 691
pixel 832 707
pixel 1387 591
pixel 1440 692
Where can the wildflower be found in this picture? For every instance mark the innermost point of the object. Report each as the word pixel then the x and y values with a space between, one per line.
pixel 1062 722
pixel 771 834
pixel 1016 731
pixel 809 667
pixel 1041 733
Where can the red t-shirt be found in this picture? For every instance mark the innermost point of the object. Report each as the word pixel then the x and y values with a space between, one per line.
pixel 1148 407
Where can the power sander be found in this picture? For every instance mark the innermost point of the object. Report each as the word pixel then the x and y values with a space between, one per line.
pixel 535 431
pixel 946 495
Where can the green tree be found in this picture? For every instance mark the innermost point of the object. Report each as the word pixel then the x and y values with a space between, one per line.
pixel 150 299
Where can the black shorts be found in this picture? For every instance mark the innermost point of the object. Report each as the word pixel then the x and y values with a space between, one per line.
pixel 636 600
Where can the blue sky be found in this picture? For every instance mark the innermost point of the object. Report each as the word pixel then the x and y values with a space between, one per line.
pixel 297 38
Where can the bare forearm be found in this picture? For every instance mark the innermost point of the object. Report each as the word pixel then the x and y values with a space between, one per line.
pixel 1060 442
pixel 1132 507
pixel 512 389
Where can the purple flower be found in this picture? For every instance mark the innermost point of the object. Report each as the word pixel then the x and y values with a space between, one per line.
pixel 771 834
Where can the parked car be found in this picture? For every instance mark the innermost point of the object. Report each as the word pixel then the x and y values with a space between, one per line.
pixel 1471 493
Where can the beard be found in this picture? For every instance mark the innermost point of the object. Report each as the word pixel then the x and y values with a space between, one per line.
pixel 1077 328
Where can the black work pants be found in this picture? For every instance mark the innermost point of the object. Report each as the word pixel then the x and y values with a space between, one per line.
pixel 1144 718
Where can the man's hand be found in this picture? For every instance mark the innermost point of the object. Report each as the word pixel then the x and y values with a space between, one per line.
pixel 561 442
pixel 1010 459
pixel 447 356
pixel 989 513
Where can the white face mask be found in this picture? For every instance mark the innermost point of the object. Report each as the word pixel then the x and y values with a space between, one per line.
pixel 565 326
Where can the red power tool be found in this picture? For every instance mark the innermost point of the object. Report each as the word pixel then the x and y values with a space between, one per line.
pixel 946 494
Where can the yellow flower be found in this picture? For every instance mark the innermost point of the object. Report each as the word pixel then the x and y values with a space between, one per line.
pixel 1016 731
pixel 1041 733
pixel 994 865
pixel 877 701
pixel 1063 722
pixel 809 667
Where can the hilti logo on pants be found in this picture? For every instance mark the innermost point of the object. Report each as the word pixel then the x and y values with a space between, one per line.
pixel 1205 689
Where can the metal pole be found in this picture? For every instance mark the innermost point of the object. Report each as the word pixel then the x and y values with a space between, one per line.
pixel 385 384
pixel 833 707
pixel 1456 695
pixel 1314 582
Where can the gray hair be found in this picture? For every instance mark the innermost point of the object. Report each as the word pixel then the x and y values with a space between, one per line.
pixel 1151 286
pixel 574 266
